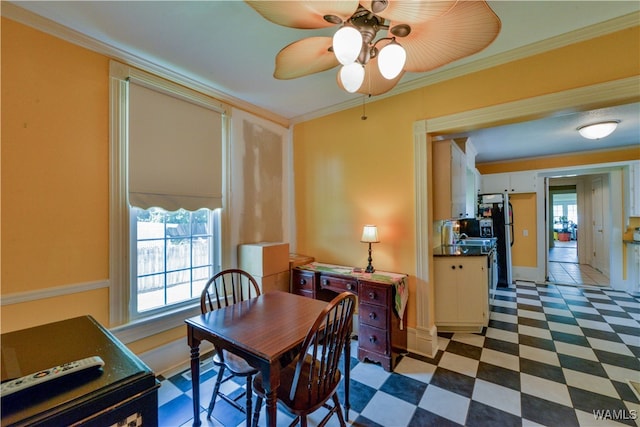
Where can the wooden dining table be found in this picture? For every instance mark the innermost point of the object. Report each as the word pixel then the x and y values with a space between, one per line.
pixel 264 331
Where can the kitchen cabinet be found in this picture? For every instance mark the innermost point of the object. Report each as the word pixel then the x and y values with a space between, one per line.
pixel 634 189
pixel 461 293
pixel 450 179
pixel 633 267
pixel 512 182
pixel 382 331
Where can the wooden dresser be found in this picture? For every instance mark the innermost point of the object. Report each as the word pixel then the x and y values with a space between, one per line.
pixel 382 297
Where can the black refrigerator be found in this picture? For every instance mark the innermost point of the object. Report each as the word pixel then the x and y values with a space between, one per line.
pixel 499 210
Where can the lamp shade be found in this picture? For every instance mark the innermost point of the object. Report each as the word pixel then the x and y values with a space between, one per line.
pixel 370 234
pixel 391 60
pixel 598 130
pixel 347 44
pixel 352 76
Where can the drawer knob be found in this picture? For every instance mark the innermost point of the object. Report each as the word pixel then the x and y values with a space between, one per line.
pixel 372 316
pixel 453 267
pixel 303 282
pixel 349 286
pixel 325 282
pixel 372 295
pixel 372 339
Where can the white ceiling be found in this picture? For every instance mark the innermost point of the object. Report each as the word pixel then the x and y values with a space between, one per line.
pixel 227 47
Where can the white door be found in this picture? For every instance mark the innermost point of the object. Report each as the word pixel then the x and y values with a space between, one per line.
pixel 598 259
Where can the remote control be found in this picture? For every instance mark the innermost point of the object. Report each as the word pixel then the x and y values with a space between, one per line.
pixel 40 377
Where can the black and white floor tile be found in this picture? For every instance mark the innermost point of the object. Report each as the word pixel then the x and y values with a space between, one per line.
pixel 551 356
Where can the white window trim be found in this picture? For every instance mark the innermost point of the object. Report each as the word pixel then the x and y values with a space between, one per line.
pixel 127 329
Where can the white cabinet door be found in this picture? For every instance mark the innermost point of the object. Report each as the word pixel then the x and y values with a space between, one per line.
pixel 461 292
pixel 522 182
pixel 473 301
pixel 495 183
pixel 634 189
pixel 446 291
pixel 458 183
pixel 513 182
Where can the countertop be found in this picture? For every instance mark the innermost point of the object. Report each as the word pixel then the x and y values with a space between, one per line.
pixel 462 250
pixel 632 242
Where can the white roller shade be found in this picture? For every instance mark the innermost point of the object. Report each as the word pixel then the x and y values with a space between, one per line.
pixel 175 152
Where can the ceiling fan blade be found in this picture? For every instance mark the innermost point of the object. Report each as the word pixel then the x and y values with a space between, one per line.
pixel 466 29
pixel 304 14
pixel 374 83
pixel 304 57
pixel 408 11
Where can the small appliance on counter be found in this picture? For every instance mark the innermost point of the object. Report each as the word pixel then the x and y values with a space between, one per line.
pixel 447 233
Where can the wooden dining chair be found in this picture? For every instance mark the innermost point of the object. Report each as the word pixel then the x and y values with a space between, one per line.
pixel 224 289
pixel 312 378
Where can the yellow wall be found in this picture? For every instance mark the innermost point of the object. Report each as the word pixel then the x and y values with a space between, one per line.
pixel 524 252
pixel 348 171
pixel 55 176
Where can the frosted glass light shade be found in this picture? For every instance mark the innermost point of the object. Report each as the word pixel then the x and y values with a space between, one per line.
pixel 352 76
pixel 370 234
pixel 598 130
pixel 347 44
pixel 391 60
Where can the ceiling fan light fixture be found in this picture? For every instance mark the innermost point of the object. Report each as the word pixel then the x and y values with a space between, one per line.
pixel 391 60
pixel 347 44
pixel 598 130
pixel 352 76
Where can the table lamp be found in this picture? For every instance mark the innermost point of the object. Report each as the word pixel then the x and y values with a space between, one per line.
pixel 370 235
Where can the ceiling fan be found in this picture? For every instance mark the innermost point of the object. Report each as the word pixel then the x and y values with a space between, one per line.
pixel 379 40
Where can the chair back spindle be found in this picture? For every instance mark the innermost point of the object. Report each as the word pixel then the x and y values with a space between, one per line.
pixel 227 288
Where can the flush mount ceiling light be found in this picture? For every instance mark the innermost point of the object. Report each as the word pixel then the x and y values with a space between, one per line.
pixel 598 130
pixel 377 41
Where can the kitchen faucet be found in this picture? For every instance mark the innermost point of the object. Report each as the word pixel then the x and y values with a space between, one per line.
pixel 460 236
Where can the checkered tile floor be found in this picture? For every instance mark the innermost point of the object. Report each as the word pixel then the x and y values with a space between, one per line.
pixel 552 355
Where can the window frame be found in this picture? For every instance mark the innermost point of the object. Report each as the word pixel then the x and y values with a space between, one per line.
pixel 127 326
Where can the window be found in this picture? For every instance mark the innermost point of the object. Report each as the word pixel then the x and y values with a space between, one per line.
pixel 558 213
pixel 572 213
pixel 176 253
pixel 167 150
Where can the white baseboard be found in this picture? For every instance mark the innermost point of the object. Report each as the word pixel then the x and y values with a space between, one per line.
pixel 528 274
pixel 171 356
pixel 423 341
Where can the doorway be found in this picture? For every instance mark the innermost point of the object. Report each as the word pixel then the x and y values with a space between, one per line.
pixel 576 218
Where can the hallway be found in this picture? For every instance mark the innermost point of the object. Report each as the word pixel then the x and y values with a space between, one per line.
pixel 564 268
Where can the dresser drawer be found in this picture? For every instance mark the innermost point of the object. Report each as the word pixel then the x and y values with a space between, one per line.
pixel 373 293
pixel 302 282
pixel 373 339
pixel 374 315
pixel 338 284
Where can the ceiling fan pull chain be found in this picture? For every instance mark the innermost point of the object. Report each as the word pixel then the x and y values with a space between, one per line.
pixel 364 113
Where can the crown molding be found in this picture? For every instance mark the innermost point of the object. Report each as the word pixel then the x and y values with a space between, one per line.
pixel 28 18
pixel 603 28
pixel 583 98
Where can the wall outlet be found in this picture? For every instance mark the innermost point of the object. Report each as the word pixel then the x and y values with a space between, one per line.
pixel 525 233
